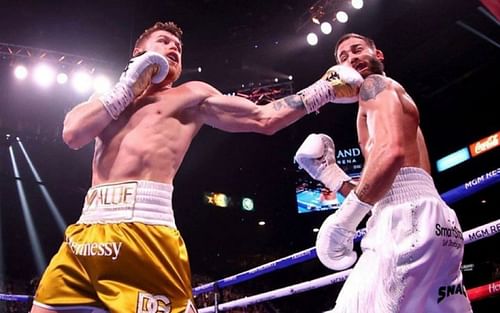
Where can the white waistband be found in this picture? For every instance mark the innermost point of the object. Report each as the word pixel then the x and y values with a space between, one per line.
pixel 131 201
pixel 410 184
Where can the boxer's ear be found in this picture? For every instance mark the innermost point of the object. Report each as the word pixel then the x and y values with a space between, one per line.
pixel 379 55
pixel 137 52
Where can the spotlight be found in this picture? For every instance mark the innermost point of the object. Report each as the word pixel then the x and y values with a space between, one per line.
pixel 312 39
pixel 55 211
pixel 21 72
pixel 342 17
pixel 217 199
pixel 247 204
pixel 326 28
pixel 357 4
pixel 315 20
pixel 8 140
pixel 82 82
pixel 276 80
pixel 43 75
pixel 199 69
pixel 36 247
pixel 101 84
pixel 221 200
pixel 62 78
pixel 262 223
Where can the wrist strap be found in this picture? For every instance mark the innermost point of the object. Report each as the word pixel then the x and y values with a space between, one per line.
pixel 333 177
pixel 316 95
pixel 352 211
pixel 117 99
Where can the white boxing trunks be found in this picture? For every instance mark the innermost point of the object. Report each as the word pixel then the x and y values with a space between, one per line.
pixel 412 253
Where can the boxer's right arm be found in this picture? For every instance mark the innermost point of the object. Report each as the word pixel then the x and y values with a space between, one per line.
pixel 87 120
pixel 142 70
pixel 84 123
pixel 316 155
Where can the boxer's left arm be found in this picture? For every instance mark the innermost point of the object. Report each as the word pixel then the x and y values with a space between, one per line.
pixel 237 114
pixel 340 84
pixel 384 114
pixel 384 117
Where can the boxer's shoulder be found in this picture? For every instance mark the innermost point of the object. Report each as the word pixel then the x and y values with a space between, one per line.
pixel 192 91
pixel 197 87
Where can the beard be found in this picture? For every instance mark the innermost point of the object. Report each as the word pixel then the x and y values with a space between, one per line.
pixel 173 74
pixel 375 66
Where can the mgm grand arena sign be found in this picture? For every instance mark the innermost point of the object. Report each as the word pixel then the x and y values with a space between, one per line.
pixel 350 160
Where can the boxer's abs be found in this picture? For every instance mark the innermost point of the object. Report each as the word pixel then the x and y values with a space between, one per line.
pixel 146 152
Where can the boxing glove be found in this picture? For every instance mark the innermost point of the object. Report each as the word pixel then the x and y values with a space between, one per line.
pixel 340 84
pixel 142 70
pixel 335 239
pixel 316 155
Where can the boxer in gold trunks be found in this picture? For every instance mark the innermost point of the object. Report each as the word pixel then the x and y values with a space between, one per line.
pixel 125 253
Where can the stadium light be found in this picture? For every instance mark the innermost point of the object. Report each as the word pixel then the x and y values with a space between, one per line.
pixel 21 72
pixel 82 82
pixel 62 78
pixel 43 75
pixel 326 28
pixel 342 17
pixel 102 84
pixel 312 39
pixel 357 4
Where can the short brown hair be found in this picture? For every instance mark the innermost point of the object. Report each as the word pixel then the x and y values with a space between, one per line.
pixel 344 37
pixel 170 27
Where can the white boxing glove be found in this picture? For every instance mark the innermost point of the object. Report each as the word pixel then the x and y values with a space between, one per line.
pixel 334 243
pixel 340 84
pixel 316 156
pixel 142 70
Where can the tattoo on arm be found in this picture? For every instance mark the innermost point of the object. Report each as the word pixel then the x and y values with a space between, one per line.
pixel 361 193
pixel 371 87
pixel 293 101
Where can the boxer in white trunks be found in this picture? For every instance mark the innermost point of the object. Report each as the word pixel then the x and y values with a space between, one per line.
pixel 413 248
pixel 125 253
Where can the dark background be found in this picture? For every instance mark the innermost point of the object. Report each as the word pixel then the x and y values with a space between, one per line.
pixel 445 53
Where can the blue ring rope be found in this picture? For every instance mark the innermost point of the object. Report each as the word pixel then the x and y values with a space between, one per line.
pixel 454 195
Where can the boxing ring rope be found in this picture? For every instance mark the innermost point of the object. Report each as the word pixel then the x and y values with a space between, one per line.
pixel 475 234
pixel 13 297
pixel 484 291
pixel 454 195
pixel 451 196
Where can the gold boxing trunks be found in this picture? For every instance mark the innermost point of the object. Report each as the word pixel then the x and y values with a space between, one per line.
pixel 124 255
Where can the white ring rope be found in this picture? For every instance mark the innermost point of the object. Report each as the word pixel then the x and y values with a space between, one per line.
pixel 472 235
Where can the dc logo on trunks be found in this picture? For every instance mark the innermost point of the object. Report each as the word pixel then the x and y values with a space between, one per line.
pixel 148 303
